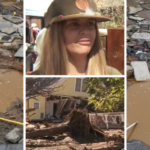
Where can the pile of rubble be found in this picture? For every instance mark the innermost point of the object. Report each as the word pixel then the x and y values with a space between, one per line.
pixel 75 132
pixel 138 40
pixel 12 133
pixel 11 35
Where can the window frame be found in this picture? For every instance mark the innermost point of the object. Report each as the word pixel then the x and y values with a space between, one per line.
pixel 80 86
pixel 38 103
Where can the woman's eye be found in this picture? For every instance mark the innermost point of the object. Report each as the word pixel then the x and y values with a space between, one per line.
pixel 91 24
pixel 74 24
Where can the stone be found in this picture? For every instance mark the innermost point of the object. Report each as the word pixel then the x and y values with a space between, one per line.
pixel 137 145
pixel 134 10
pixel 144 23
pixel 5 24
pixel 141 71
pixel 143 35
pixel 136 18
pixel 9 30
pixel 13 136
pixel 13 19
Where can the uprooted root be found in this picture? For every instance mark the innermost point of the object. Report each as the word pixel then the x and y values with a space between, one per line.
pixel 81 126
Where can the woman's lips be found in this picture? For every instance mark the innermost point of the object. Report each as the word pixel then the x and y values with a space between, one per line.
pixel 84 41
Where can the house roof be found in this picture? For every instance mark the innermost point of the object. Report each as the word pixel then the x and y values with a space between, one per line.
pixel 37 86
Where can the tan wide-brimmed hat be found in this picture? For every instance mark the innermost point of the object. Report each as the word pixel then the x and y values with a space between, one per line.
pixel 60 10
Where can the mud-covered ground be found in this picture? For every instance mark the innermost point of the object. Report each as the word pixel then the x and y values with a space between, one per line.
pixel 66 142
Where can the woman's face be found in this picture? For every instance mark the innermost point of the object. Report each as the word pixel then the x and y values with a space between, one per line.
pixel 79 35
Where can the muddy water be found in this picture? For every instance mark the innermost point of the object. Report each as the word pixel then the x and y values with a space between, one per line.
pixel 138 109
pixel 11 84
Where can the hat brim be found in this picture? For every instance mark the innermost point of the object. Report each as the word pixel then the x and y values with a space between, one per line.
pixel 98 18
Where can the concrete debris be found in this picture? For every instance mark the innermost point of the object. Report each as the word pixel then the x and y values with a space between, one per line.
pixel 5 24
pixel 19 52
pixel 13 19
pixel 144 23
pixel 134 10
pixel 141 71
pixel 144 36
pixel 13 136
pixel 9 30
pixel 138 39
pixel 136 18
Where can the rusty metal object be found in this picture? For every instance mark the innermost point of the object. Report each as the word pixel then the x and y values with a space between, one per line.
pixel 115 48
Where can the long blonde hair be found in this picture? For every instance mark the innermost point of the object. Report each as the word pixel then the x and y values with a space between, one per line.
pixel 54 59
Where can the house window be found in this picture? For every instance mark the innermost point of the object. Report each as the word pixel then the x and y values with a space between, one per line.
pixel 36 105
pixel 79 85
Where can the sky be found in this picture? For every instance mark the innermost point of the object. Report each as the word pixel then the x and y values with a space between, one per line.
pixel 38 5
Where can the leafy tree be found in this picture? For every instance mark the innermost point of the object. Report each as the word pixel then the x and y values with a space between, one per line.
pixel 106 94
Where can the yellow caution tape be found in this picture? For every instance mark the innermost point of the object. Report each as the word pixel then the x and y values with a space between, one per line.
pixel 15 122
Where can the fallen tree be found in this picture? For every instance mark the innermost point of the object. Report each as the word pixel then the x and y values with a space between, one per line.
pixel 79 125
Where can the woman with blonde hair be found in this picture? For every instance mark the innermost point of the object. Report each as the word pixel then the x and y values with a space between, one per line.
pixel 71 43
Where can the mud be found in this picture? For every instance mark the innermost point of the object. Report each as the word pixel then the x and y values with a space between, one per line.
pixel 138 110
pixel 11 86
pixel 66 142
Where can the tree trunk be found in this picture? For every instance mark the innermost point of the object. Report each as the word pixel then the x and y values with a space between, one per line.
pixel 64 127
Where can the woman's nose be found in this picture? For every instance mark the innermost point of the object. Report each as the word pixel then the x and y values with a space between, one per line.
pixel 84 30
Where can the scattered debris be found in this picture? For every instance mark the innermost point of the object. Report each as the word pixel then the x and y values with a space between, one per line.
pixel 13 136
pixel 136 18
pixel 77 130
pixel 141 71
pixel 13 19
pixel 138 38
pixel 134 10
pixel 141 36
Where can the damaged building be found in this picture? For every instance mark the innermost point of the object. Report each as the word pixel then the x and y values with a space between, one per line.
pixel 68 94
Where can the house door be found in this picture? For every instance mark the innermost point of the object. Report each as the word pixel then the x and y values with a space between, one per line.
pixel 55 106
